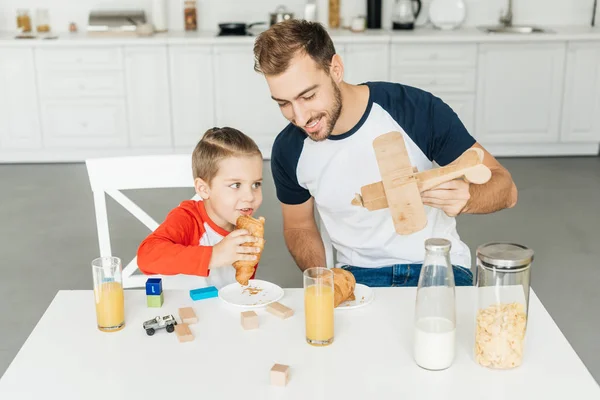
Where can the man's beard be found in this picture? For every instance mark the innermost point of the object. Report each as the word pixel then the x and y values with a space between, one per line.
pixel 334 113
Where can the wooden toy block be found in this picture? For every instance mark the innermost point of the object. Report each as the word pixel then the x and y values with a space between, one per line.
pixel 183 332
pixel 188 316
pixel 154 286
pixel 204 293
pixel 401 185
pixel 280 375
pixel 155 301
pixel 249 320
pixel 280 310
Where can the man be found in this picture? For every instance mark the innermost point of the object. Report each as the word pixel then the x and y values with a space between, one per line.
pixel 325 155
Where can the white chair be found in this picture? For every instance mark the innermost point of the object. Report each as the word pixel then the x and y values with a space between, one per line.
pixel 110 175
pixel 329 250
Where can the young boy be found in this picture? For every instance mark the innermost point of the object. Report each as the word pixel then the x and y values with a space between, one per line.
pixel 198 237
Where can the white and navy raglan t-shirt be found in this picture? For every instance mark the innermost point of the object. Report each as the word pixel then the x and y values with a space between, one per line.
pixel 333 170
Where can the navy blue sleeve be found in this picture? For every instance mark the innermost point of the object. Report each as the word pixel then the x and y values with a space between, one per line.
pixel 430 123
pixel 284 161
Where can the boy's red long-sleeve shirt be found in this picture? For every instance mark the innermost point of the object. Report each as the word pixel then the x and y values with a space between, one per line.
pixel 182 244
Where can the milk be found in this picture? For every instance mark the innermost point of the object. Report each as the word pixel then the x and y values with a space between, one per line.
pixel 434 343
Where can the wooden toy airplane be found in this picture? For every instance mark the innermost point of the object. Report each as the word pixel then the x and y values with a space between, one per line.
pixel 401 184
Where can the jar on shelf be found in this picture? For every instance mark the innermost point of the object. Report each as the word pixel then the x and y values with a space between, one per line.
pixel 42 20
pixel 503 285
pixel 23 21
pixel 190 15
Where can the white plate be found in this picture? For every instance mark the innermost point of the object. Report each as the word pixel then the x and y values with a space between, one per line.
pixel 363 296
pixel 257 294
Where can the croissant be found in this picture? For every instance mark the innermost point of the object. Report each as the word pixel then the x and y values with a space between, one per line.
pixel 255 227
pixel 343 285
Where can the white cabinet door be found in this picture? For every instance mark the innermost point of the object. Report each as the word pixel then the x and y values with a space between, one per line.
pixel 519 92
pixel 464 106
pixel 84 123
pixel 192 89
pixel 581 110
pixel 19 119
pixel 148 104
pixel 242 97
pixel 366 62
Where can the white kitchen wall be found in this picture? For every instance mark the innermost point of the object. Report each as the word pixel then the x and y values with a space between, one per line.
pixel 211 12
pixel 541 12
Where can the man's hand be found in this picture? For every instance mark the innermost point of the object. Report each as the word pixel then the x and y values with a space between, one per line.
pixel 230 249
pixel 450 197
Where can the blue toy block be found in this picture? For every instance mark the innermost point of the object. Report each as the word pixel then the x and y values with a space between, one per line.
pixel 154 286
pixel 204 293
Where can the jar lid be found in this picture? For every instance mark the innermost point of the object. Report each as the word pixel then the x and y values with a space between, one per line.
pixel 505 255
pixel 438 244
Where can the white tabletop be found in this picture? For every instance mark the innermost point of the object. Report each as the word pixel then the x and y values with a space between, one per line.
pixel 66 357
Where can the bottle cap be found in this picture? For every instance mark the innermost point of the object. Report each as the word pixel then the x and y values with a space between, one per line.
pixel 505 255
pixel 438 244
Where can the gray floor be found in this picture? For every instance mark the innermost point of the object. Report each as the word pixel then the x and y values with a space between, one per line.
pixel 48 238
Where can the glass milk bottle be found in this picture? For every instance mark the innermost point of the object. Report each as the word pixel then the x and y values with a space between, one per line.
pixel 503 272
pixel 435 312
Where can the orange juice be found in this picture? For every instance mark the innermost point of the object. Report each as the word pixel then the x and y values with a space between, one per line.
pixel 110 306
pixel 318 306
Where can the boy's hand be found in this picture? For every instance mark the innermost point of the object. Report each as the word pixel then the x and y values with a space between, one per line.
pixel 230 249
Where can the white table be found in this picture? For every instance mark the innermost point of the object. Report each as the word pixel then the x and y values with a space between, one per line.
pixel 66 357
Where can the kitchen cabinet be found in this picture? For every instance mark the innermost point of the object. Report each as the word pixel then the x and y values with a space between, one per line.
pixel 448 71
pixel 519 92
pixel 242 97
pixel 87 123
pixel 192 88
pixel 148 103
pixel 71 99
pixel 19 117
pixel 365 62
pixel 581 109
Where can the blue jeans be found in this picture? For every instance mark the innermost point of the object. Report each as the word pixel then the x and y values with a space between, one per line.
pixel 402 275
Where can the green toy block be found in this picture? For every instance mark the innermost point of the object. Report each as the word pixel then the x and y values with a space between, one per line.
pixel 155 300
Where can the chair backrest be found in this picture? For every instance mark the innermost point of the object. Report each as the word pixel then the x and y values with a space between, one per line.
pixel 111 175
pixel 329 250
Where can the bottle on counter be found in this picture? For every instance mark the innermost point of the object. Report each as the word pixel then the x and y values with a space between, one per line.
pixel 435 310
pixel 42 20
pixel 159 15
pixel 334 14
pixel 23 21
pixel 190 15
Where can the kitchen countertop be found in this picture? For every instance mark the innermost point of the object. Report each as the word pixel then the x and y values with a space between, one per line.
pixel 421 35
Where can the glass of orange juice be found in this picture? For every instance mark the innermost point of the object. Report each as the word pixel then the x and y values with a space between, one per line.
pixel 108 294
pixel 318 306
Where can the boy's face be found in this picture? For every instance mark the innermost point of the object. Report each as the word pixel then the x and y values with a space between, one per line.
pixel 236 190
pixel 309 97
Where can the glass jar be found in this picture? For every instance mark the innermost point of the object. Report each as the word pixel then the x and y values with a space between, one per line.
pixel 435 310
pixel 23 21
pixel 42 20
pixel 503 274
pixel 190 15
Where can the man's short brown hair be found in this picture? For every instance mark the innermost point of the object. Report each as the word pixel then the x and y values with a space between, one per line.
pixel 275 48
pixel 216 145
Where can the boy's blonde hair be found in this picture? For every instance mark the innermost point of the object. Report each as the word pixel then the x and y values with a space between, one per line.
pixel 216 145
